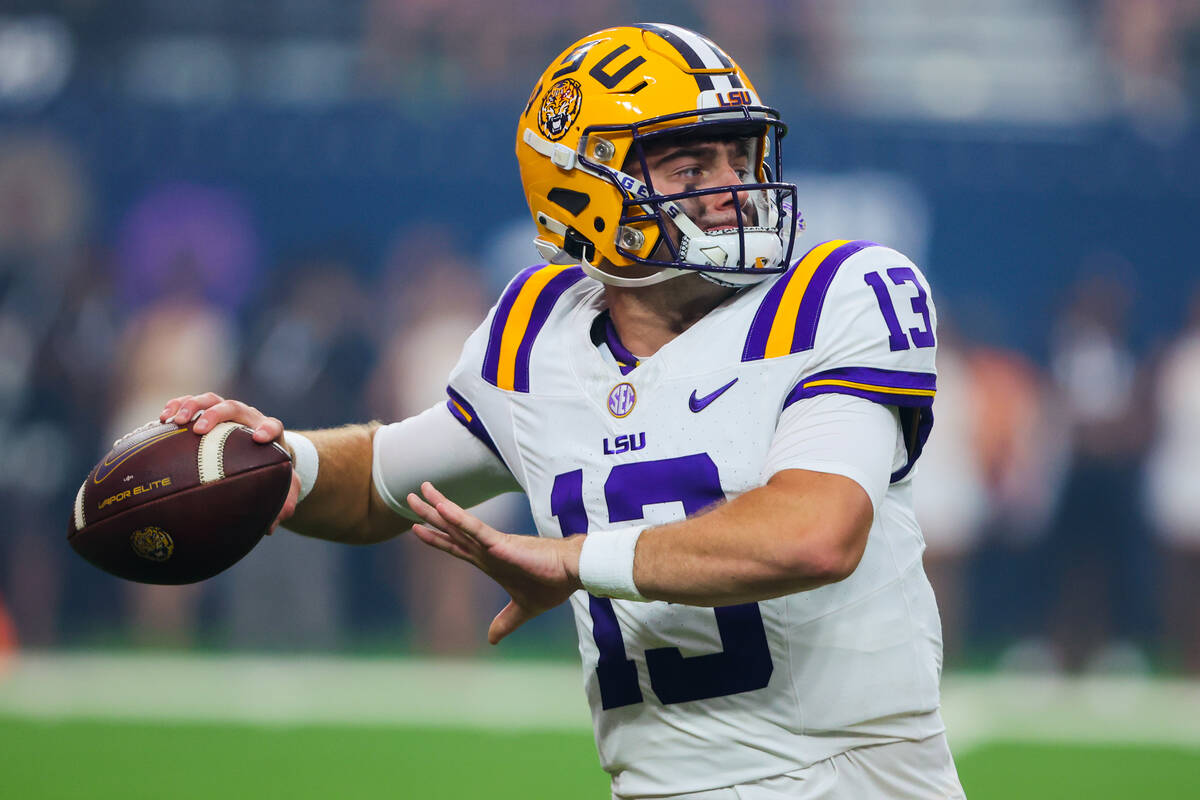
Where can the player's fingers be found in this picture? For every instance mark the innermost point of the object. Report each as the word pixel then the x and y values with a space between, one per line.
pixel 440 541
pixel 268 430
pixel 426 512
pixel 454 514
pixel 228 411
pixel 171 407
pixel 511 617
pixel 190 405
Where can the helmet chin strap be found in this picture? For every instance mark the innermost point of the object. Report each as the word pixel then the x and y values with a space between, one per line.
pixel 664 274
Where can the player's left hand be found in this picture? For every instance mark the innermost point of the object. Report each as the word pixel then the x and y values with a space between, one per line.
pixel 538 574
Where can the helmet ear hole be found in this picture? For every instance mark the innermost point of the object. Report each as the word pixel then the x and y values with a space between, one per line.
pixel 573 201
pixel 598 223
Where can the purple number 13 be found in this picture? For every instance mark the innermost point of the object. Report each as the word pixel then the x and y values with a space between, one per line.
pixel 922 336
pixel 744 663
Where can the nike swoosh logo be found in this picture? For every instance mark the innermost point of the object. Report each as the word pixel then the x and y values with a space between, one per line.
pixel 697 404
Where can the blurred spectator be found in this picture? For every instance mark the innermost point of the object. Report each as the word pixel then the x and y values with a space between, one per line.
pixel 181 233
pixel 1098 555
pixel 985 491
pixel 1173 489
pixel 184 251
pixel 44 209
pixel 306 363
pixel 434 301
pixel 438 52
pixel 949 492
pixel 1146 48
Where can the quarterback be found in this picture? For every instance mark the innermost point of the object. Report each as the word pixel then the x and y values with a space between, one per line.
pixel 716 439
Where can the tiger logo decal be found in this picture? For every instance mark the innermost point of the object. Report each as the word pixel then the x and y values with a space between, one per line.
pixel 152 544
pixel 559 108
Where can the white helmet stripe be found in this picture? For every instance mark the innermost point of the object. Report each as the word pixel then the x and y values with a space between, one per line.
pixel 700 46
pixel 700 52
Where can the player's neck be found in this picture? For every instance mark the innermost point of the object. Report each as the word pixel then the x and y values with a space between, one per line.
pixel 647 317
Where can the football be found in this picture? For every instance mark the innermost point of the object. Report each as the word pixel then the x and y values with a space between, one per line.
pixel 169 506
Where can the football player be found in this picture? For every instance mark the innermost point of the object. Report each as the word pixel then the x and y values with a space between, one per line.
pixel 716 442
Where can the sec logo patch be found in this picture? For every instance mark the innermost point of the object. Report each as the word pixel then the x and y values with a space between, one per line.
pixel 621 400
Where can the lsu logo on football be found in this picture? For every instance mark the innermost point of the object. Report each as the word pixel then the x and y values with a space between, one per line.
pixel 559 108
pixel 152 544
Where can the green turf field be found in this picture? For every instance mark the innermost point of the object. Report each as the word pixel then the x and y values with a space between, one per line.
pixel 89 759
pixel 122 725
pixel 94 759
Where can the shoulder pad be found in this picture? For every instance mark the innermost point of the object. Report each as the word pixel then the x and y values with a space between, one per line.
pixel 786 321
pixel 520 315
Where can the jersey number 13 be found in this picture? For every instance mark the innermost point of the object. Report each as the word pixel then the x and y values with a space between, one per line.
pixel 744 662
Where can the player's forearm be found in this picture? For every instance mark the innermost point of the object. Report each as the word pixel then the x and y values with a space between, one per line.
pixel 343 505
pixel 775 540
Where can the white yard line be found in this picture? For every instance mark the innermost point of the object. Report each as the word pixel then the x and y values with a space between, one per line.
pixel 529 696
pixel 291 690
pixel 1058 709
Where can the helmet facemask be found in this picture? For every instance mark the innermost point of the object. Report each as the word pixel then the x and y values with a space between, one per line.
pixel 756 245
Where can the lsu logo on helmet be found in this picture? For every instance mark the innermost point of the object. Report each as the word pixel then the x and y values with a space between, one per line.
pixel 560 107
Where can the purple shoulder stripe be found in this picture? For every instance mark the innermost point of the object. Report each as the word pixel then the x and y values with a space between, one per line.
pixel 912 392
pixel 491 358
pixel 465 413
pixel 887 386
pixel 814 296
pixel 537 320
pixel 812 300
pixel 527 327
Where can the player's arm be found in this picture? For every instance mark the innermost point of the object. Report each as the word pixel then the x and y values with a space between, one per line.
pixel 829 467
pixel 360 468
pixel 802 529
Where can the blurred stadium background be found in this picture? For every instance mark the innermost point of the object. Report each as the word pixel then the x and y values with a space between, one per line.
pixel 308 203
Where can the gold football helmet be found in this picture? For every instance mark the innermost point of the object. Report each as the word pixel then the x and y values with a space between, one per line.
pixel 590 116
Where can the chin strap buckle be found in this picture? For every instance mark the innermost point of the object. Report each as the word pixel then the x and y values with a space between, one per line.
pixel 559 154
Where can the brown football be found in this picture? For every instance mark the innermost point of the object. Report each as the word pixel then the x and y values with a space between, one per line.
pixel 169 506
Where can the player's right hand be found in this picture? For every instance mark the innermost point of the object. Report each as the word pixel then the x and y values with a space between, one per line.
pixel 214 409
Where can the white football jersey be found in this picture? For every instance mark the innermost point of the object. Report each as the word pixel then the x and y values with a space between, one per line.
pixel 687 698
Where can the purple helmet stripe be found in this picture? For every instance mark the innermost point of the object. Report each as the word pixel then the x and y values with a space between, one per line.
pixel 537 320
pixel 465 413
pixel 491 358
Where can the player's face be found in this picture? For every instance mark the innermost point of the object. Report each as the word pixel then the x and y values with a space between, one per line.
pixel 703 164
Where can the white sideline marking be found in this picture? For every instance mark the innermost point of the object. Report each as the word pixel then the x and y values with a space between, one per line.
pixel 1111 710
pixel 302 689
pixel 295 690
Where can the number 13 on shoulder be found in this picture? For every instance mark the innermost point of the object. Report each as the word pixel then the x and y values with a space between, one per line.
pixel 744 662
pixel 922 336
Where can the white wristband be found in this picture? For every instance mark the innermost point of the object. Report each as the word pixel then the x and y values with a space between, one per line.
pixel 606 563
pixel 305 461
